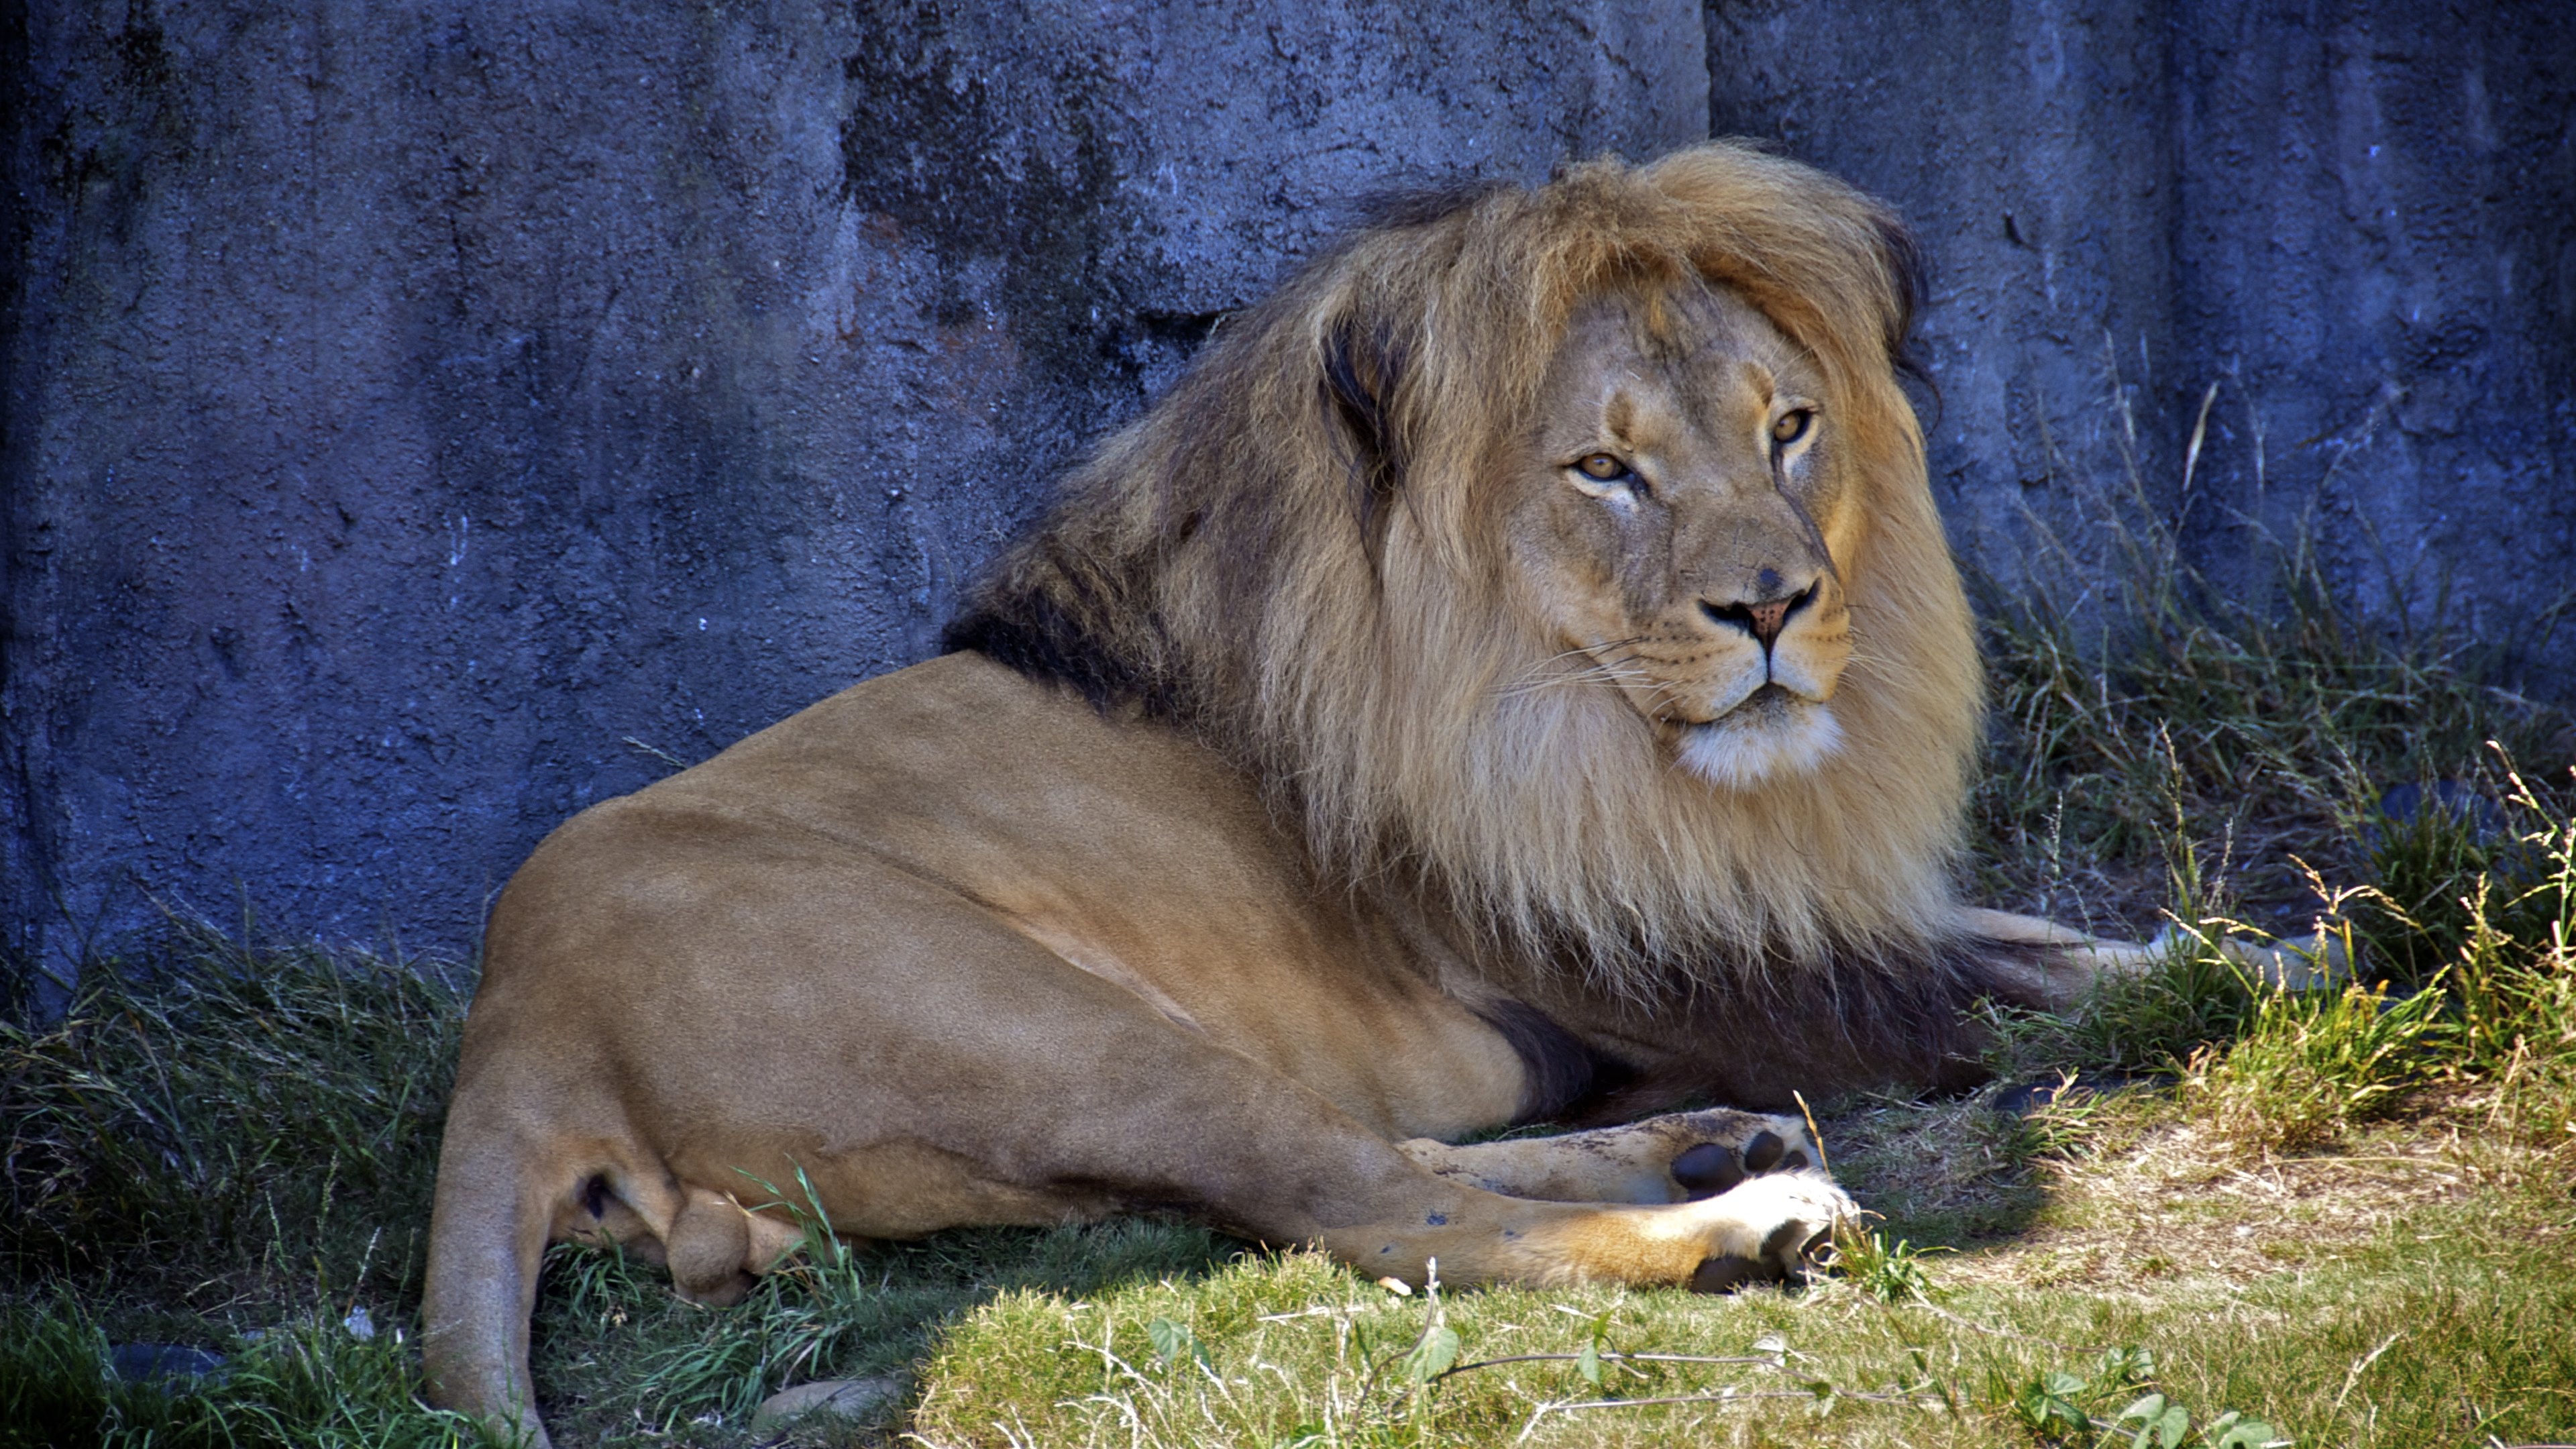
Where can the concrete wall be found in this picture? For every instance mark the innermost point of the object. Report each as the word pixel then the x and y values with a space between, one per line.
pixel 422 419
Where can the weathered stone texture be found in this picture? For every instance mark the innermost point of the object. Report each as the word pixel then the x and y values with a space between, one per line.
pixel 424 419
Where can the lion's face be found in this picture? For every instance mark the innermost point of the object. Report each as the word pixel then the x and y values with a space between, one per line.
pixel 1676 514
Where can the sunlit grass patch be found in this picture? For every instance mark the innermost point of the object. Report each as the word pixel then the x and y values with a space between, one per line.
pixel 2312 1063
pixel 1295 1351
pixel 1290 1349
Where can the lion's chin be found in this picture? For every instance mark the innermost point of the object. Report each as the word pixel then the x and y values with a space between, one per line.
pixel 1765 738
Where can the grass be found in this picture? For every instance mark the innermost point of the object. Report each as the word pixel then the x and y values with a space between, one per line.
pixel 228 1149
pixel 2235 1215
pixel 298 1381
pixel 207 1092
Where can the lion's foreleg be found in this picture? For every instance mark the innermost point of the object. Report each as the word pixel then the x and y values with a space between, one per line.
pixel 1761 1205
pixel 1673 1158
pixel 1761 1230
pixel 1131 1106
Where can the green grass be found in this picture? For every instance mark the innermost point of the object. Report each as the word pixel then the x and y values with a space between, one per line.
pixel 306 1381
pixel 2336 1217
pixel 618 1349
pixel 212 1146
pixel 200 1092
pixel 1297 1351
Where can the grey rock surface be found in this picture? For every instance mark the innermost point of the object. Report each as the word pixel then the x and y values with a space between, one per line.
pixel 2357 221
pixel 420 420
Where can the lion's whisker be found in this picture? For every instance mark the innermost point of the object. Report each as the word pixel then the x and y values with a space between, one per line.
pixel 1594 669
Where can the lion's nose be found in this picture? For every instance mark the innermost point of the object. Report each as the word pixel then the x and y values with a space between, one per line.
pixel 1761 618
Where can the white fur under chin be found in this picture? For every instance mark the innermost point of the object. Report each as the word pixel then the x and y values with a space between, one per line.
pixel 1739 754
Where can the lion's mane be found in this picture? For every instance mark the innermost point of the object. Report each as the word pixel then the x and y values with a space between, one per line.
pixel 1290 555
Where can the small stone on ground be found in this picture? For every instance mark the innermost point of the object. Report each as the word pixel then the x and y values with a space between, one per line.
pixel 841 1398
pixel 146 1362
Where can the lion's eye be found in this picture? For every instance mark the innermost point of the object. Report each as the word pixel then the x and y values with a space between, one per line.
pixel 1793 425
pixel 1604 467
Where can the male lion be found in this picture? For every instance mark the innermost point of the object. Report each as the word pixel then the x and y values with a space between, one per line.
pixel 1517 675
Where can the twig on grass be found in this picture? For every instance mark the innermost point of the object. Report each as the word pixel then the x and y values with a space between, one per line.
pixel 1764 1360
pixel 1813 1134
pixel 2364 1362
pixel 1724 1396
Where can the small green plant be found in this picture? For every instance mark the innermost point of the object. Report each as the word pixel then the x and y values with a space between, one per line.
pixel 1174 1343
pixel 2314 1063
pixel 2162 1424
pixel 1888 1269
pixel 2069 1409
pixel 2050 1404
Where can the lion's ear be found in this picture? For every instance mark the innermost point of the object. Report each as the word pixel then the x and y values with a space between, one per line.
pixel 1362 368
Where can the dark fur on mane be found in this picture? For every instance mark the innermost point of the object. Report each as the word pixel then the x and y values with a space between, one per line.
pixel 1871 1019
pixel 1916 1021
pixel 1034 634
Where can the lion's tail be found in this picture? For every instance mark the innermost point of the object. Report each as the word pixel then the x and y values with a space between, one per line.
pixel 497 1195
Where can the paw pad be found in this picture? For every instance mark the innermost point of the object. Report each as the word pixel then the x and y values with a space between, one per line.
pixel 1727 1273
pixel 1792 1241
pixel 1713 1167
pixel 1708 1169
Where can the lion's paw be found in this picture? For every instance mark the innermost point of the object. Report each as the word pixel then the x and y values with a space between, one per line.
pixel 1738 1147
pixel 1771 1229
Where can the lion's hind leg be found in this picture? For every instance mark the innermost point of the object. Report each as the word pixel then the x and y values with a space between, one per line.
pixel 1678 1157
pixel 500 1197
pixel 1074 1091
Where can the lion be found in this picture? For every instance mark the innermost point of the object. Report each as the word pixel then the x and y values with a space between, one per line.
pixel 1516 675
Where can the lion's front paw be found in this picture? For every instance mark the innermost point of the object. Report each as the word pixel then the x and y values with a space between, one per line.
pixel 1738 1146
pixel 1771 1228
